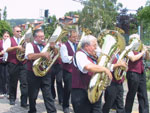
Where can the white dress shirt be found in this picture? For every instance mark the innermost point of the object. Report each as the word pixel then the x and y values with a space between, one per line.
pixel 8 43
pixel 29 49
pixel 82 60
pixel 64 53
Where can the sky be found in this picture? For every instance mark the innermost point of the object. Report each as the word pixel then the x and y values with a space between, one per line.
pixel 17 9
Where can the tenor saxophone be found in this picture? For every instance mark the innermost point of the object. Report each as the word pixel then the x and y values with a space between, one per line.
pixel 109 41
pixel 42 65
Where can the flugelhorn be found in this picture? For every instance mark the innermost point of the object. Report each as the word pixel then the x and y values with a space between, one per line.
pixel 20 55
pixel 42 65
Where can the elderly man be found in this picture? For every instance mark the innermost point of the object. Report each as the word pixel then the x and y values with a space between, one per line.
pixel 84 67
pixel 136 79
pixel 33 52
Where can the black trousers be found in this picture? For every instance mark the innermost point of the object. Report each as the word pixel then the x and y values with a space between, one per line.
pixel 4 77
pixel 18 72
pixel 56 74
pixel 81 103
pixel 114 95
pixel 67 79
pixel 35 84
pixel 137 84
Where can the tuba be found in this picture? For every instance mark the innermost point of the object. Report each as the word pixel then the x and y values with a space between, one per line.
pixel 135 45
pixel 42 65
pixel 20 54
pixel 110 42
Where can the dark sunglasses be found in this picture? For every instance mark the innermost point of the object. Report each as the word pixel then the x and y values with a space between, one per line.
pixel 18 31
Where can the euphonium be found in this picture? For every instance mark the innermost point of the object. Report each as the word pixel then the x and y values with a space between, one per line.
pixel 109 41
pixel 20 54
pixel 42 65
pixel 136 45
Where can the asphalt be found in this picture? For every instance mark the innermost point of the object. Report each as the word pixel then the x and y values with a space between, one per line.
pixel 6 108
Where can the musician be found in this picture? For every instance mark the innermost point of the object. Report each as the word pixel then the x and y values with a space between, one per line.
pixel 136 79
pixel 3 66
pixel 16 69
pixel 114 94
pixel 84 67
pixel 67 51
pixel 36 83
pixel 56 74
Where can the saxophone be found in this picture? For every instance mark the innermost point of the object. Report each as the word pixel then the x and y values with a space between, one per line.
pixel 20 54
pixel 42 65
pixel 135 45
pixel 110 42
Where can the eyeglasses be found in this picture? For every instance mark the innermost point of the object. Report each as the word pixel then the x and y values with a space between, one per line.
pixel 18 31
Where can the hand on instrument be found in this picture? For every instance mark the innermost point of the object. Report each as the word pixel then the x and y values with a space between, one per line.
pixel 52 45
pixel 21 48
pixel 46 55
pixel 108 73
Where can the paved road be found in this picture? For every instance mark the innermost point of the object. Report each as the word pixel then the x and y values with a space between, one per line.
pixel 6 108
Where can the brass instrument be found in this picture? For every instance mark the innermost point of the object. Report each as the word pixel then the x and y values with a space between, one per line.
pixel 20 54
pixel 42 65
pixel 110 42
pixel 85 32
pixel 135 44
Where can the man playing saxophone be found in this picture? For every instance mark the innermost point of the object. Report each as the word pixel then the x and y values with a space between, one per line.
pixel 36 83
pixel 85 65
pixel 136 79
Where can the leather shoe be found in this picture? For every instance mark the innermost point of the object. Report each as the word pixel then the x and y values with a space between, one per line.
pixel 66 110
pixel 25 106
pixel 12 102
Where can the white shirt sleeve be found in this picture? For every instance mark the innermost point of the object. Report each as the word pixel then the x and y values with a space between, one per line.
pixel 131 53
pixel 29 49
pixel 82 60
pixel 7 44
pixel 64 55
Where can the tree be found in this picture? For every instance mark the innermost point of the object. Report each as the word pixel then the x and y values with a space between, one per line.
pixel 4 26
pixel 99 14
pixel 5 13
pixel 50 27
pixel 143 17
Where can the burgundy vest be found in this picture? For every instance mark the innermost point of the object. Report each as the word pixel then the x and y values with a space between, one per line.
pixel 12 54
pixel 66 66
pixel 79 79
pixel 136 66
pixel 113 79
pixel 30 62
pixel 1 48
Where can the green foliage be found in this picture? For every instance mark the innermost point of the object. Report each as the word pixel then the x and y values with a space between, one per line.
pixel 4 26
pixel 15 22
pixel 144 14
pixel 99 14
pixel 71 13
pixel 50 27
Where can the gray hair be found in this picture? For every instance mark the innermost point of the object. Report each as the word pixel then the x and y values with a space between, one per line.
pixel 134 36
pixel 36 32
pixel 86 40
